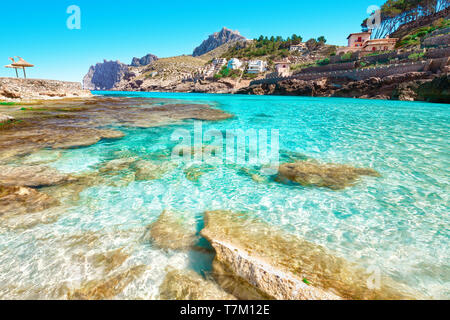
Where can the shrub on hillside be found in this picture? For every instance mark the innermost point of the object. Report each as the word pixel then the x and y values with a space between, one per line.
pixel 323 62
pixel 416 56
pixel 346 57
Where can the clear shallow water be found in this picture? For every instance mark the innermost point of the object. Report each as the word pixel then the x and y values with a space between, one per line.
pixel 398 223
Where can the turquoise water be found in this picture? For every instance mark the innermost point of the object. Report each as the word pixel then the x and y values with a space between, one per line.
pixel 398 223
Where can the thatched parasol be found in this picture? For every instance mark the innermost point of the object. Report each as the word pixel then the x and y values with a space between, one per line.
pixel 12 67
pixel 22 64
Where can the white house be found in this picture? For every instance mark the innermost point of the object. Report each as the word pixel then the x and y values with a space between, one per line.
pixel 301 47
pixel 219 62
pixel 257 66
pixel 235 64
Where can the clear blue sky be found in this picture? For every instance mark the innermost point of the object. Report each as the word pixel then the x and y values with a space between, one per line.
pixel 120 30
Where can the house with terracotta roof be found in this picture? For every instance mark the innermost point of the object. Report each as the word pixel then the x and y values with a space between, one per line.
pixel 361 42
pixel 385 44
pixel 357 40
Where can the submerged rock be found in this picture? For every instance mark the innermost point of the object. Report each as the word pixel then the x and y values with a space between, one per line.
pixel 332 176
pixel 188 285
pixel 236 285
pixel 19 200
pixel 172 231
pixel 86 137
pixel 109 260
pixel 194 173
pixel 73 123
pixel 285 267
pixel 107 288
pixel 117 165
pixel 147 170
pixel 32 176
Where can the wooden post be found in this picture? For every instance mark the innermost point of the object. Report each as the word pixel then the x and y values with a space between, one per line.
pixel 24 73
pixel 17 74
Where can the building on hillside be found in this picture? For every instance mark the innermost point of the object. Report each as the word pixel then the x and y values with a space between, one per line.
pixel 301 47
pixel 283 68
pixel 257 66
pixel 356 40
pixel 385 44
pixel 361 42
pixel 235 64
pixel 219 62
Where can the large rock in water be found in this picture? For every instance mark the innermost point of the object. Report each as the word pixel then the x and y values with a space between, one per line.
pixel 216 40
pixel 284 267
pixel 172 232
pixel 104 76
pixel 332 176
pixel 144 61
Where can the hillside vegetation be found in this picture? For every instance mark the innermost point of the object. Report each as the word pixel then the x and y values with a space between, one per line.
pixel 414 37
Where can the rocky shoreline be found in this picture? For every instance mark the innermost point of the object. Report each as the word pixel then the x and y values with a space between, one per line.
pixel 17 89
pixel 413 86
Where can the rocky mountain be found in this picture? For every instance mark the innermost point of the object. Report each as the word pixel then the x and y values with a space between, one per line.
pixel 144 61
pixel 104 76
pixel 216 40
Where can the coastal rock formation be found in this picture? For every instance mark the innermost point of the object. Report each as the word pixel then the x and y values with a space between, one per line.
pixel 285 267
pixel 372 88
pixel 16 89
pixel 332 176
pixel 437 90
pixel 104 76
pixel 172 232
pixel 187 285
pixel 144 61
pixel 216 40
pixel 31 176
pixel 20 200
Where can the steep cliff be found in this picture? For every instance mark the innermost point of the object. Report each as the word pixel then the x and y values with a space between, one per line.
pixel 104 76
pixel 144 61
pixel 216 40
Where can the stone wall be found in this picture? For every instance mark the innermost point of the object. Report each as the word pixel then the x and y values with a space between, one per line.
pixel 16 89
pixel 356 74
pixel 438 53
pixel 330 67
pixel 437 40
